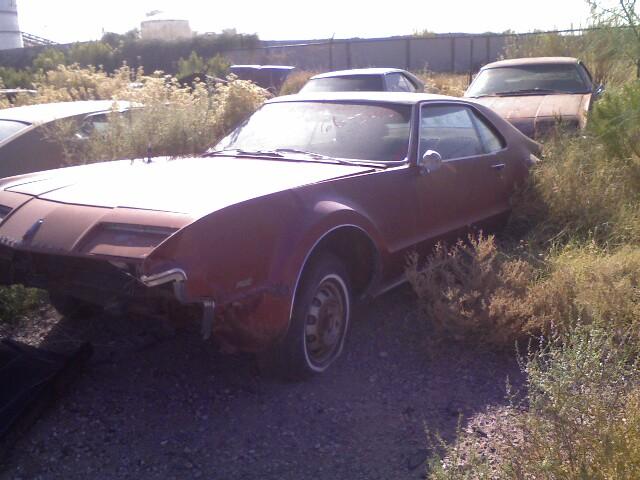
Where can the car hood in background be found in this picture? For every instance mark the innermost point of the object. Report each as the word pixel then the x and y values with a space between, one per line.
pixel 535 115
pixel 536 106
pixel 193 186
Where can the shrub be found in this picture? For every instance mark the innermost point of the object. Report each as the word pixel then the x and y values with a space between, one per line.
pixel 16 301
pixel 587 286
pixel 472 292
pixel 580 418
pixel 580 192
pixel 66 84
pixel 49 59
pixel 295 82
pixel 217 66
pixel 174 121
pixel 97 54
pixel 454 84
pixel 583 419
pixel 615 121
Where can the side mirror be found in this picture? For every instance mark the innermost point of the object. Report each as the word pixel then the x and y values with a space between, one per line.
pixel 430 162
pixel 598 91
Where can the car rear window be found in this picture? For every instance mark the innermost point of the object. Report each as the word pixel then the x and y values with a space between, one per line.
pixel 352 83
pixel 9 128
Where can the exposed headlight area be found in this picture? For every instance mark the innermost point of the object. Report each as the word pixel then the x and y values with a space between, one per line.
pixel 4 212
pixel 548 126
pixel 125 240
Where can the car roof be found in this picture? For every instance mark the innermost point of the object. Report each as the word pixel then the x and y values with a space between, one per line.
pixel 517 62
pixel 358 71
pixel 48 112
pixel 408 98
pixel 262 67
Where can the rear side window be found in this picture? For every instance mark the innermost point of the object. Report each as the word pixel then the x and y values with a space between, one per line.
pixel 491 141
pixel 397 82
pixel 449 130
pixel 9 128
pixel 351 83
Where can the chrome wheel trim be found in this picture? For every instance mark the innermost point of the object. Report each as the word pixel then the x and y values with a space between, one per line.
pixel 326 322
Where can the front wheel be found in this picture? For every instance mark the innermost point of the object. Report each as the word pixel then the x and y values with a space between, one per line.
pixel 319 322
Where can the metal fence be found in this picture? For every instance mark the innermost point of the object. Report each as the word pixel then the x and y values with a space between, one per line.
pixel 439 53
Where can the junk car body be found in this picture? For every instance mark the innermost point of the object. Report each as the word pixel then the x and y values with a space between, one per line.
pixel 364 80
pixel 25 132
pixel 269 77
pixel 537 94
pixel 314 201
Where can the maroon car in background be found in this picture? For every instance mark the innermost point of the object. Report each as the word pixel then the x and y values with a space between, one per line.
pixel 314 202
pixel 537 94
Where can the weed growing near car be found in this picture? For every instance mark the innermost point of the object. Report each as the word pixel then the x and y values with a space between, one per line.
pixel 171 119
pixel 580 295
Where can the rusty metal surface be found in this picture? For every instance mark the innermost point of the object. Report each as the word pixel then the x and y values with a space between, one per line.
pixel 242 228
pixel 529 112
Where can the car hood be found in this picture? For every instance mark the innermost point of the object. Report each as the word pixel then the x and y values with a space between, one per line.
pixel 192 186
pixel 537 106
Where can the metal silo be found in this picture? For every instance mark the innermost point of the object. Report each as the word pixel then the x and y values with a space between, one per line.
pixel 10 36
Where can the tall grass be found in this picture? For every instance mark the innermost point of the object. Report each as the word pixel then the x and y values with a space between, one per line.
pixel 453 84
pixel 578 291
pixel 602 51
pixel 169 119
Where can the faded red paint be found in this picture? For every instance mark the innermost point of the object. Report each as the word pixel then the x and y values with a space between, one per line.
pixel 242 228
pixel 536 114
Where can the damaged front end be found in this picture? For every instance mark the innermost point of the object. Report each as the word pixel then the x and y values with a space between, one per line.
pixel 95 255
pixel 149 262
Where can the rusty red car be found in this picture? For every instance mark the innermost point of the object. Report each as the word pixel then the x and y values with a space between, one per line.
pixel 537 94
pixel 269 237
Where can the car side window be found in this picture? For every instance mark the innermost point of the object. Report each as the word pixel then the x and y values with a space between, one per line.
pixel 396 82
pixel 450 131
pixel 410 85
pixel 491 141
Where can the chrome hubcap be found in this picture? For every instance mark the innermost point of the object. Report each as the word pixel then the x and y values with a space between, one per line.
pixel 325 322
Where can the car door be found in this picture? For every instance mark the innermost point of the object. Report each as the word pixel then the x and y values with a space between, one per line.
pixel 466 190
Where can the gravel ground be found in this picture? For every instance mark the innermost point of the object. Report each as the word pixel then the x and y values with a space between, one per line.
pixel 157 403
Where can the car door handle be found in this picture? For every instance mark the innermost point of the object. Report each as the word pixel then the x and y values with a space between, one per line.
pixel 498 166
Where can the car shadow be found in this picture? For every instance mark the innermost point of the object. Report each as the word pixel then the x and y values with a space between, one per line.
pixel 159 402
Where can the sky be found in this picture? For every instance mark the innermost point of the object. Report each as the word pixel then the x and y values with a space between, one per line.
pixel 66 21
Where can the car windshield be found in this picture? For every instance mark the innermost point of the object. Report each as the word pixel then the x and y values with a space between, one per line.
pixel 9 128
pixel 352 83
pixel 528 79
pixel 361 131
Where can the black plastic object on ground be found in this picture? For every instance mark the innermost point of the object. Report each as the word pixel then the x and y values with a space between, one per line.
pixel 270 77
pixel 31 379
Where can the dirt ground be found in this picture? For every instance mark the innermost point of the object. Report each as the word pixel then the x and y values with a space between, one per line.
pixel 154 403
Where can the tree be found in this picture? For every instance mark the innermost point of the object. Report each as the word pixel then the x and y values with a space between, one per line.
pixel 217 65
pixel 622 14
pixel 49 59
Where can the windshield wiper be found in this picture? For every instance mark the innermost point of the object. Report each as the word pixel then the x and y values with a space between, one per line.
pixel 239 151
pixel 528 90
pixel 281 153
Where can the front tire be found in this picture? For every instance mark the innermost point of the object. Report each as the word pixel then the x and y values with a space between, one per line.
pixel 319 323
